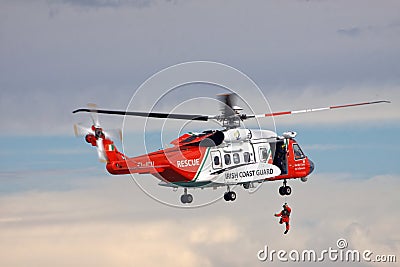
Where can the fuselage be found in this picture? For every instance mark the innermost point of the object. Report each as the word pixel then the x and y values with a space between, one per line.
pixel 235 156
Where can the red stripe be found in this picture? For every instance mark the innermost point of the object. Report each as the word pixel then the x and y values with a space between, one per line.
pixel 278 113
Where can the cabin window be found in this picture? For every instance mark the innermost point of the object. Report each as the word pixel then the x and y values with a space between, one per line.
pixel 236 158
pixel 298 154
pixel 263 154
pixel 227 159
pixel 216 160
pixel 246 156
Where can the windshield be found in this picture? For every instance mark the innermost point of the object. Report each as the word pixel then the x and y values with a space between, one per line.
pixel 298 154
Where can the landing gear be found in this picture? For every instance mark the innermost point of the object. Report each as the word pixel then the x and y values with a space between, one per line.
pixel 230 195
pixel 186 198
pixel 285 190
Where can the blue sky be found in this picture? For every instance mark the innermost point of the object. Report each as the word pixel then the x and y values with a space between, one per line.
pixel 360 151
pixel 57 203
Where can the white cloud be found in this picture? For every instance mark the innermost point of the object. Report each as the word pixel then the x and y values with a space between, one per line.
pixel 109 222
pixel 98 244
pixel 222 231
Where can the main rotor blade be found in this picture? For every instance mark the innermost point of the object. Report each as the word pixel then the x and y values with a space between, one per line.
pixel 315 109
pixel 147 114
pixel 93 115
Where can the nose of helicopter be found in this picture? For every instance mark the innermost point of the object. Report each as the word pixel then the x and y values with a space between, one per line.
pixel 311 166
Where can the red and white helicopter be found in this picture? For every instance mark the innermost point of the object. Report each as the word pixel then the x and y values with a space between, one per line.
pixel 231 156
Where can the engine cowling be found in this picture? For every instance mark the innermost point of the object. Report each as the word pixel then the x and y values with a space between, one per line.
pixel 237 135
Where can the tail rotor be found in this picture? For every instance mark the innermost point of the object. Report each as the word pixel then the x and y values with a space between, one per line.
pixel 95 134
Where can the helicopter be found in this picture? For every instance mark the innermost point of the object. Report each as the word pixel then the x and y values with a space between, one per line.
pixel 227 157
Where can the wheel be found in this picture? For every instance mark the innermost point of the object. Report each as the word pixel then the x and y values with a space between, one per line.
pixel 232 196
pixel 287 190
pixel 226 196
pixel 281 191
pixel 246 185
pixel 184 199
pixel 189 198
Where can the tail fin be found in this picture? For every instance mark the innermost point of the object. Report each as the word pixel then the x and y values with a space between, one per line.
pixel 111 152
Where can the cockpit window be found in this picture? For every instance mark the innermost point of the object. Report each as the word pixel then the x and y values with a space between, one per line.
pixel 298 154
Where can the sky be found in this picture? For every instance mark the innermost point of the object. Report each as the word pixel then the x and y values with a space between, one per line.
pixel 58 205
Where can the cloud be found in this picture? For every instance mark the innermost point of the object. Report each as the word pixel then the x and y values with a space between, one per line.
pixel 97 244
pixel 352 32
pixel 312 97
pixel 110 222
pixel 29 119
pixel 222 231
pixel 51 66
pixel 380 30
pixel 109 3
pixel 76 228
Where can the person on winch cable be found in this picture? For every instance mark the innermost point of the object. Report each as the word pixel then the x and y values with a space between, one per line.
pixel 285 214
